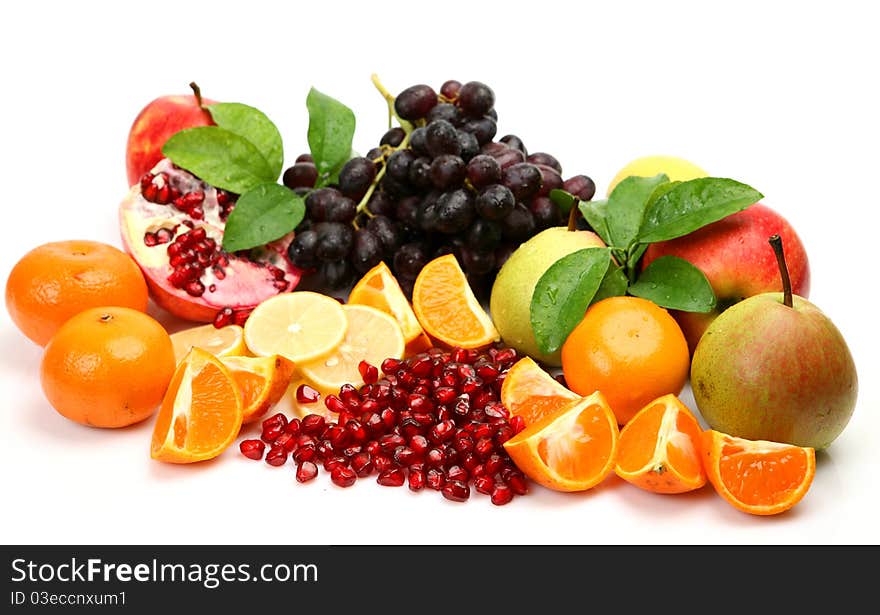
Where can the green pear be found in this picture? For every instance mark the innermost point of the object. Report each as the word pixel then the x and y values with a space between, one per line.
pixel 774 367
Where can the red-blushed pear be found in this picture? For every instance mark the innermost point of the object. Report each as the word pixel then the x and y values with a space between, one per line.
pixel 734 256
pixel 774 367
pixel 160 119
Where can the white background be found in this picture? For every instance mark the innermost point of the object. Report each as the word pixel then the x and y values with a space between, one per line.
pixel 780 96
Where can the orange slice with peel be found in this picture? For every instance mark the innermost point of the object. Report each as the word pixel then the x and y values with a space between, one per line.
pixel 222 342
pixel 261 380
pixel 531 392
pixel 659 448
pixel 447 308
pixel 378 288
pixel 570 449
pixel 757 476
pixel 201 413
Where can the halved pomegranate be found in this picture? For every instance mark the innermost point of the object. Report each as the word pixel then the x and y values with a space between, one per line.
pixel 172 225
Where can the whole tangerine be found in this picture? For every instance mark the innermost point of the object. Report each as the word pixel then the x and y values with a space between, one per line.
pixel 107 367
pixel 59 279
pixel 628 348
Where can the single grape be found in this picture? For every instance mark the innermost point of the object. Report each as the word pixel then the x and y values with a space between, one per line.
pixel 483 235
pixel 376 155
pixel 388 233
pixel 415 102
pixel 506 156
pixel 317 201
pixel 417 141
pixel 395 189
pixel 393 137
pixel 455 211
pixel 447 171
pixel 441 138
pixel 519 225
pixel 450 88
pixel 380 204
pixel 334 240
pixel 420 173
pixel 483 129
pixel 470 147
pixel 476 262
pixel 515 142
pixel 428 214
pixel 398 164
pixel 409 260
pixel 483 170
pixel 302 249
pixel 304 158
pixel 445 111
pixel 342 209
pixel 366 251
pixel 550 179
pixel 581 186
pixel 356 176
pixel 407 211
pixel 546 159
pixel 545 212
pixel 523 179
pixel 300 175
pixel 495 202
pixel 336 274
pixel 476 98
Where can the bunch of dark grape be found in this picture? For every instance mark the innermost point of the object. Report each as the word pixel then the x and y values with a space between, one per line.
pixel 441 186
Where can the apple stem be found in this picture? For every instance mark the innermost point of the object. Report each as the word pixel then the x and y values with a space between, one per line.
pixel 198 93
pixel 573 216
pixel 776 243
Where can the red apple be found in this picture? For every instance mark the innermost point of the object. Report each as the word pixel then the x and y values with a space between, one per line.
pixel 734 255
pixel 160 119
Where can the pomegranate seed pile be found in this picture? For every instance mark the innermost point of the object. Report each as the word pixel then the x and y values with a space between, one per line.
pixel 433 421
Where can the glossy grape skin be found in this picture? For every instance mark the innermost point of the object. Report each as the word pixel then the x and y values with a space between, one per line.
pixel 366 251
pixel 410 259
pixel 495 202
pixel 300 175
pixel 415 102
pixel 484 129
pixel 519 225
pixel 545 159
pixel 483 170
pixel 580 186
pixel 550 179
pixel 515 142
pixel 317 201
pixel 441 138
pixel 523 179
pixel 476 98
pixel 393 137
pixel 450 89
pixel 483 235
pixel 545 212
pixel 447 172
pixel 387 232
pixel 334 240
pixel 342 209
pixel 302 249
pixel 455 211
pixel 356 176
pixel 445 111
pixel 399 163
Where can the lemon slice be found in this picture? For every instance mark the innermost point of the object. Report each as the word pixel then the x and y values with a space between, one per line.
pixel 300 326
pixel 223 342
pixel 372 336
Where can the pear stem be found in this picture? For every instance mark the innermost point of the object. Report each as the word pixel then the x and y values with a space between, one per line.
pixel 776 243
pixel 197 91
pixel 573 216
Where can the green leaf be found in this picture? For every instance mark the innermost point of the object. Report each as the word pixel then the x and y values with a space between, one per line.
pixel 674 283
pixel 331 130
pixel 563 293
pixel 265 213
pixel 693 204
pixel 613 284
pixel 564 200
pixel 219 157
pixel 255 126
pixel 627 204
pixel 594 213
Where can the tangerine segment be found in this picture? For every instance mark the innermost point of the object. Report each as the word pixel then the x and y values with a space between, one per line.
pixel 222 342
pixel 571 449
pixel 371 336
pixel 531 392
pixel 757 476
pixel 447 308
pixel 301 326
pixel 660 448
pixel 262 382
pixel 201 413
pixel 379 289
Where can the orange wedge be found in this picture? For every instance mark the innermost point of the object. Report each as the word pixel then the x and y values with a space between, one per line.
pixel 261 380
pixel 201 413
pixel 757 476
pixel 570 449
pixel 531 392
pixel 226 341
pixel 659 448
pixel 379 289
pixel 447 308
pixel 371 336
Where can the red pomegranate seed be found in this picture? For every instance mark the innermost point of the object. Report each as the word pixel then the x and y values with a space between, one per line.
pixel 460 355
pixel 469 461
pixel 517 423
pixel 405 456
pixel 505 433
pixel 441 431
pixel 351 451
pixel 434 457
pixel 324 449
pixel 506 356
pixel 312 425
pixel 349 393
pixel 331 463
pixel 484 485
pixel 484 447
pixel 457 473
pixel 496 410
pixel 445 394
pixel 375 425
pixel 271 433
pixel 463 443
pixel 356 430
pixel 417 479
pixel 150 239
pixel 435 479
pixel 276 456
pixel 343 476
pixel 493 464
pixel 305 452
pixel 306 471
pixel 252 449
pixel 487 372
pixel 517 484
pixel 382 463
pixel 373 447
pixel 370 373
pixel 241 317
pixel 477 471
pixel 223 317
pixel 456 491
pixel 306 394
pixel 362 464
pixel 393 477
pixel 286 441
pixel 334 404
pixel 501 495
pixel 391 366
pixel 389 418
pixel 419 444
pixel 389 442
pixel 292 427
